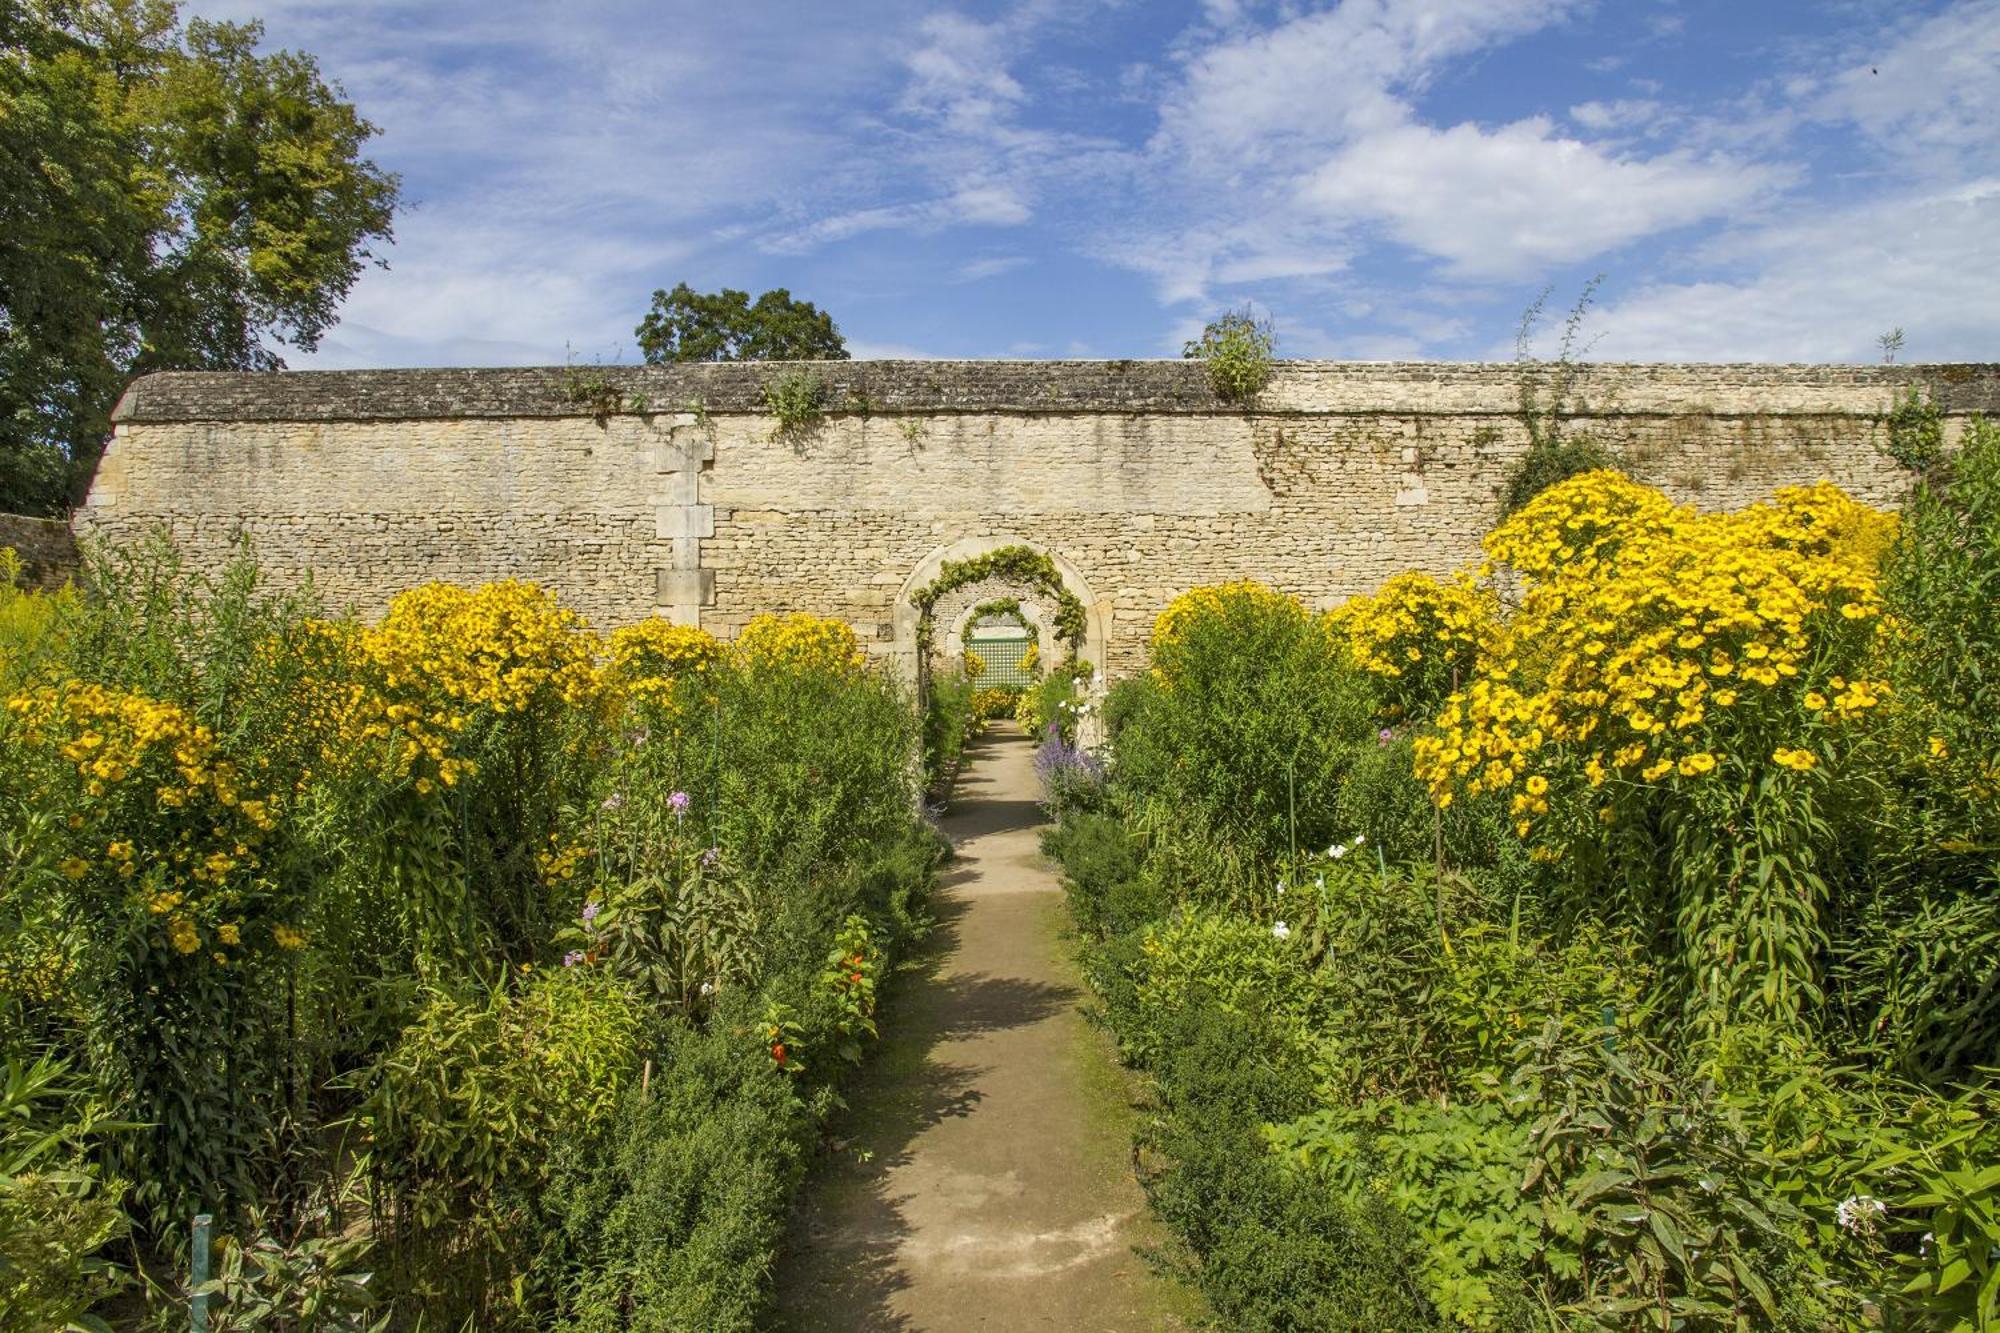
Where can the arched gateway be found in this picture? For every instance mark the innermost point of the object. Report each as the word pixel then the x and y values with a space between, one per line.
pixel 961 579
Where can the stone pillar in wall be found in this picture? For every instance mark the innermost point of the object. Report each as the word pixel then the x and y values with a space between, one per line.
pixel 682 587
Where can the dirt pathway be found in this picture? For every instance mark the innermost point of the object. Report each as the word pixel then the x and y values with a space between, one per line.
pixel 984 1175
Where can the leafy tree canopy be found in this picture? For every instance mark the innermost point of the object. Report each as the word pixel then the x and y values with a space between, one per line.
pixel 171 200
pixel 687 325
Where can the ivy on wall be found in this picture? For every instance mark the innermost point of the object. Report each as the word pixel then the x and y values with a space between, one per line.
pixel 1022 564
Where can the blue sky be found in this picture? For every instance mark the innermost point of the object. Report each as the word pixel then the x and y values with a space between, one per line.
pixel 1757 180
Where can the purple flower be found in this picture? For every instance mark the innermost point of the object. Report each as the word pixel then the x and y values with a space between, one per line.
pixel 614 801
pixel 590 911
pixel 678 802
pixel 711 858
pixel 1384 736
pixel 572 958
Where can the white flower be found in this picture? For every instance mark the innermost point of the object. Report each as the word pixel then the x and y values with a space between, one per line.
pixel 1281 931
pixel 1337 851
pixel 1360 838
pixel 708 988
pixel 1319 882
pixel 1858 1213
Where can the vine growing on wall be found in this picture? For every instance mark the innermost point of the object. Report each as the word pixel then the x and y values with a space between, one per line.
pixel 1023 564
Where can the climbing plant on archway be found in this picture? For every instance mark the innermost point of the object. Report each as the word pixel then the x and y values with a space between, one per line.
pixel 1022 564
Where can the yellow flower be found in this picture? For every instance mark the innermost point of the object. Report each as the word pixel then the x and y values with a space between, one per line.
pixel 229 933
pixel 287 938
pixel 1815 700
pixel 182 935
pixel 1696 764
pixel 1939 750
pixel 1797 759
pixel 74 868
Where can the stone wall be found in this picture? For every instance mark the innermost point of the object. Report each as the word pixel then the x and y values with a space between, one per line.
pixel 640 490
pixel 47 550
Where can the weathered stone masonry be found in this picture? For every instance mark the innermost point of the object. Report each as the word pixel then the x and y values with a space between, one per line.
pixel 686 503
pixel 47 550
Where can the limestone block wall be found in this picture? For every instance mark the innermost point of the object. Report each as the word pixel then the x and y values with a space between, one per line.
pixel 668 490
pixel 47 550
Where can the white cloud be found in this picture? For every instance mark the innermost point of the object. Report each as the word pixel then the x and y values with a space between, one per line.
pixel 1309 139
pixel 1511 201
pixel 1936 90
pixel 1822 287
pixel 1619 114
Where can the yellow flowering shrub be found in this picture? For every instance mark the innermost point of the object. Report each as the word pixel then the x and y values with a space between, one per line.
pixel 161 822
pixel 800 641
pixel 1419 635
pixel 1216 600
pixel 503 647
pixel 1653 642
pixel 397 696
pixel 648 657
pixel 1687 677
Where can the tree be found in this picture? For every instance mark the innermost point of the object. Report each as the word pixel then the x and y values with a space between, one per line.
pixel 172 200
pixel 687 325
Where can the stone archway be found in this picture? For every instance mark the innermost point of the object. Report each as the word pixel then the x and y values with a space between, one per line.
pixel 908 618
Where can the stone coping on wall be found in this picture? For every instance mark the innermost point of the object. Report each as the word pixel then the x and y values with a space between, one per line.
pixel 861 388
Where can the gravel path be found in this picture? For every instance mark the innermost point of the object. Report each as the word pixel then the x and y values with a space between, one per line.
pixel 983 1177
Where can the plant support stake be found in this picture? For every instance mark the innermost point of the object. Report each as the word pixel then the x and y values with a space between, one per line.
pixel 198 1271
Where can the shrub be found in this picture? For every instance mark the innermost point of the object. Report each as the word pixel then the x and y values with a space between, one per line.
pixel 951 715
pixel 1101 865
pixel 1550 462
pixel 1270 1251
pixel 1237 348
pixel 465 1110
pixel 1252 720
pixel 797 400
pixel 1670 676
pixel 672 1227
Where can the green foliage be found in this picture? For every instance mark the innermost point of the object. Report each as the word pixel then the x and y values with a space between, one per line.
pixel 176 201
pixel 1254 724
pixel 1549 461
pixel 301 1283
pixel 1916 432
pixel 1238 349
pixel 797 398
pixel 673 1226
pixel 686 325
pixel 1100 863
pixel 465 1109
pixel 56 1213
pixel 1270 1251
pixel 950 720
